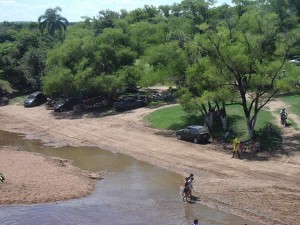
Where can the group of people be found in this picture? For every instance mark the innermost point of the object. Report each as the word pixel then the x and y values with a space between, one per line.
pixel 239 147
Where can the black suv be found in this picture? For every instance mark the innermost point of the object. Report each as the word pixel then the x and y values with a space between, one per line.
pixel 66 104
pixel 195 133
pixel 128 103
pixel 35 99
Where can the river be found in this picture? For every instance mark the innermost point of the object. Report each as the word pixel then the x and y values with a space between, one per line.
pixel 132 192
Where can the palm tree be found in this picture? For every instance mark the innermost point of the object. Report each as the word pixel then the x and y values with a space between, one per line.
pixel 52 20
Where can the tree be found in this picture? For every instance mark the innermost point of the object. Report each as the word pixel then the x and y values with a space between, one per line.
pixel 197 10
pixel 105 19
pixel 148 13
pixel 206 91
pixel 32 65
pixel 295 6
pixel 145 34
pixel 247 59
pixel 165 10
pixel 91 64
pixel 168 61
pixel 53 21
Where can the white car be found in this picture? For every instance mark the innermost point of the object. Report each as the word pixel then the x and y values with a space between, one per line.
pixel 295 61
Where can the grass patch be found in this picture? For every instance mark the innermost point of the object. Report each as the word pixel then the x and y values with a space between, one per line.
pixel 173 118
pixel 18 100
pixel 292 124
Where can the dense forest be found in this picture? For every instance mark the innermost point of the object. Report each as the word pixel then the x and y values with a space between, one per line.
pixel 212 54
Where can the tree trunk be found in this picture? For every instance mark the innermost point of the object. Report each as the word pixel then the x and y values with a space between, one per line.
pixel 224 122
pixel 222 114
pixel 250 128
pixel 251 125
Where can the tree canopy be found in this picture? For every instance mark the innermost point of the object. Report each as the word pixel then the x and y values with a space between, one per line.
pixel 213 54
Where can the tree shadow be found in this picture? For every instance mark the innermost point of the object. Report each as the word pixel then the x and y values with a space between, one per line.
pixel 291 144
pixel 71 115
pixel 273 144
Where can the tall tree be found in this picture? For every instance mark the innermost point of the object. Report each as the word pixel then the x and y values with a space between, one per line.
pixel 53 21
pixel 105 19
pixel 249 60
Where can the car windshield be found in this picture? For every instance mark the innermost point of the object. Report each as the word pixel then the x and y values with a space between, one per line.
pixel 194 131
pixel 203 130
pixel 31 96
pixel 61 100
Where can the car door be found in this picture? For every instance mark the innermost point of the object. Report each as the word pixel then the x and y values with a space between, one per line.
pixel 131 103
pixel 68 104
pixel 194 133
pixel 73 102
pixel 40 98
pixel 186 133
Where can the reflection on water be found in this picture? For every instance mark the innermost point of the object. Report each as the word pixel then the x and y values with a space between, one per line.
pixel 133 193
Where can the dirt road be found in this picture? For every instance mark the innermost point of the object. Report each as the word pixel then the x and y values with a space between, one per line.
pixel 264 191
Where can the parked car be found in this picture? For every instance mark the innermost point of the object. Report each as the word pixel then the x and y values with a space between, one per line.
pixel 128 103
pixel 97 102
pixel 295 61
pixel 66 104
pixel 195 133
pixel 35 99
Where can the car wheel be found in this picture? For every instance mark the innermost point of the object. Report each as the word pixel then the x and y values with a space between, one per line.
pixel 179 137
pixel 195 140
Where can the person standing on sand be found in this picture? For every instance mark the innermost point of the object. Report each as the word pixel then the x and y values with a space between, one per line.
pixel 2 179
pixel 235 147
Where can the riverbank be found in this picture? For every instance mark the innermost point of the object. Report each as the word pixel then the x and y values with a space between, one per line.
pixel 264 191
pixel 35 178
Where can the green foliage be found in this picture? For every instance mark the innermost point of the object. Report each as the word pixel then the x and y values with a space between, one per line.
pixel 32 65
pixel 59 81
pixel 23 55
pixel 5 87
pixel 144 35
pixel 130 76
pixel 245 55
pixel 169 62
pixel 187 101
pixel 289 81
pixel 18 100
pixel 102 85
pixel 98 64
pixel 148 13
pixel 149 77
pixel 105 19
pixel 213 53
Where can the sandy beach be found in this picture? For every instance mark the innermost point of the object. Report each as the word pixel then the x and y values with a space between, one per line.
pixel 35 178
pixel 267 192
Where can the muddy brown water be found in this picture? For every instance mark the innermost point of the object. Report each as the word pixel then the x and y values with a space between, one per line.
pixel 133 192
